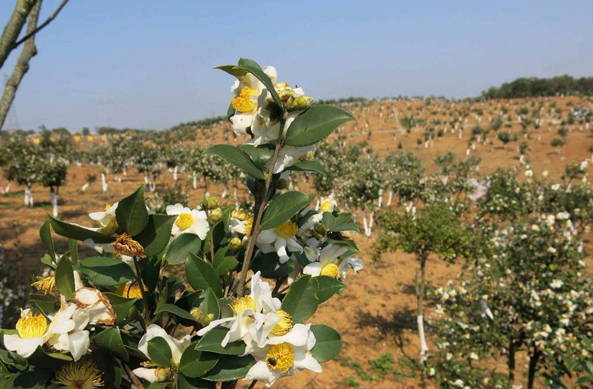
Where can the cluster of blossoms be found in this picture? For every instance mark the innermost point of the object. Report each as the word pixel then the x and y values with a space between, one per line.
pixel 128 315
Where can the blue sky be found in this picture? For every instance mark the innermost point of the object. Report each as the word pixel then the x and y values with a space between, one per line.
pixel 149 63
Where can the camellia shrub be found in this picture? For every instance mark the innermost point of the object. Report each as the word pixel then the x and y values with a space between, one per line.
pixel 197 298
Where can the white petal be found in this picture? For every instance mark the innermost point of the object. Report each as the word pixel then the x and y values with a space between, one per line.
pixel 306 361
pixel 261 372
pixel 267 237
pixel 146 374
pixel 313 269
pixel 79 344
pixel 298 336
pixel 23 347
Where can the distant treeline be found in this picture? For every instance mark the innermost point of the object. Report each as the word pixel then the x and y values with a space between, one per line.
pixel 538 87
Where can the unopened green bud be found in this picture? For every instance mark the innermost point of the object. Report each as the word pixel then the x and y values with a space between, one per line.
pixel 201 317
pixel 320 229
pixel 215 215
pixel 299 103
pixel 236 244
pixel 210 202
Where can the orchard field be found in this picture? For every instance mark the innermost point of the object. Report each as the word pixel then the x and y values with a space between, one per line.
pixel 449 186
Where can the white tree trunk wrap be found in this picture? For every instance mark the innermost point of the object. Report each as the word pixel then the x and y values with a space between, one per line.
pixel 195 181
pixel 423 346
pixel 389 198
pixel 104 183
pixel 84 187
pixel 224 193
pixel 175 170
pixel 28 197
pixel 54 203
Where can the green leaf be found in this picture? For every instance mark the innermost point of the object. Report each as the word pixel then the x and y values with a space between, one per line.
pixel 224 260
pixel 110 340
pixel 106 271
pixel 230 368
pixel 121 305
pixel 73 249
pixel 111 372
pixel 328 343
pixel 45 303
pixel 32 379
pixel 270 267
pixel 194 383
pixel 315 124
pixel 200 275
pixel 158 385
pixel 338 223
pixel 209 304
pixel 196 363
pixel 79 233
pixel 283 207
pixel 212 340
pixel 328 286
pixel 259 155
pixel 308 166
pixel 237 157
pixel 131 213
pixel 249 66
pixel 301 300
pixel 65 277
pixel 181 246
pixel 159 351
pixel 48 242
pixel 175 310
pixel 156 235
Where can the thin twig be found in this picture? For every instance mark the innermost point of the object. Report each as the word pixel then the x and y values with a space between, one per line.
pixel 142 291
pixel 260 213
pixel 252 384
pixel 41 26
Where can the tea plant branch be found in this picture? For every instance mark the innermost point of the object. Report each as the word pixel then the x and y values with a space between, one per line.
pixel 260 212
pixel 42 25
pixel 146 321
pixel 21 67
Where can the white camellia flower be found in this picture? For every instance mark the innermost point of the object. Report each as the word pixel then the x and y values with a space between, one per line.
pixel 153 372
pixel 95 304
pixel 247 90
pixel 289 155
pixel 331 265
pixel 248 310
pixel 65 332
pixel 284 355
pixel 106 219
pixel 328 204
pixel 68 330
pixel 280 239
pixel 188 221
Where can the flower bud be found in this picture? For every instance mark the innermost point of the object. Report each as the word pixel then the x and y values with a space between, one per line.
pixel 215 215
pixel 299 103
pixel 210 202
pixel 235 244
pixel 201 317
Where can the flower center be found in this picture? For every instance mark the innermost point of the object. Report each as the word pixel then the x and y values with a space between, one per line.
pixel 243 102
pixel 241 304
pixel 184 220
pixel 130 291
pixel 79 375
pixel 107 206
pixel 280 357
pixel 326 206
pixel 284 325
pixel 330 270
pixel 248 226
pixel 110 227
pixel 30 326
pixel 287 229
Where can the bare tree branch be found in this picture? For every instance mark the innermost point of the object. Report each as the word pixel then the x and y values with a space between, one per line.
pixel 13 28
pixel 21 67
pixel 41 26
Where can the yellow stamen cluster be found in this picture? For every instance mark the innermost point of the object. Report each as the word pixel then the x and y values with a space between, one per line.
pixel 30 326
pixel 129 290
pixel 184 220
pixel 82 374
pixel 107 206
pixel 280 357
pixel 162 373
pixel 284 325
pixel 287 229
pixel 125 245
pixel 330 270
pixel 46 285
pixel 243 103
pixel 248 226
pixel 241 304
pixel 326 206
